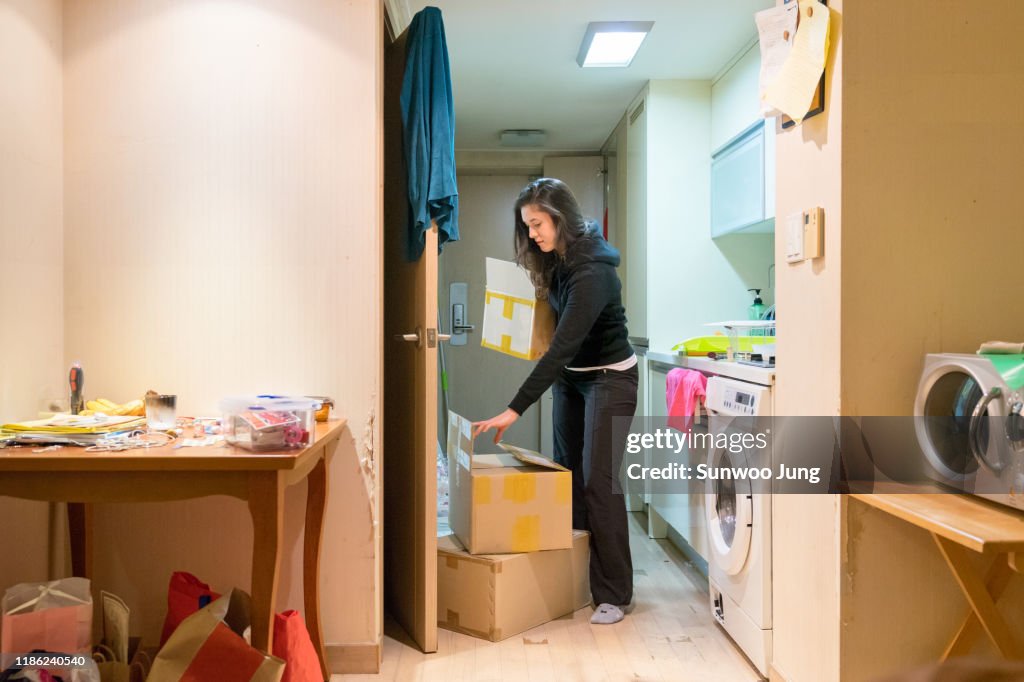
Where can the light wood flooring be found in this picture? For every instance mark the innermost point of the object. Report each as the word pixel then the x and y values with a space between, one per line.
pixel 670 636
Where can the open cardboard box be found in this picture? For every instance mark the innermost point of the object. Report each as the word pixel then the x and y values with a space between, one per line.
pixel 517 501
pixel 499 595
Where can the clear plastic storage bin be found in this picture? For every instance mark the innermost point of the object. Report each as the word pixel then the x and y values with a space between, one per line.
pixel 269 422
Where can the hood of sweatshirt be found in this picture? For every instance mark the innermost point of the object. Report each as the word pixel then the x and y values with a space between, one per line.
pixel 591 247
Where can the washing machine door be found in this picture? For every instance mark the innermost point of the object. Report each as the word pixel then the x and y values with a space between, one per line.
pixel 729 511
pixel 957 411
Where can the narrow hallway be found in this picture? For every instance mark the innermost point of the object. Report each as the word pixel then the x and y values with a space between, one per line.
pixel 670 636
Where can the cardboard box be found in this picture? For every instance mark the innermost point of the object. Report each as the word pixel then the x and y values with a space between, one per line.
pixel 515 321
pixel 500 595
pixel 518 501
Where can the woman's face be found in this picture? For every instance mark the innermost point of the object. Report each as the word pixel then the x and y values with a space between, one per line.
pixel 541 227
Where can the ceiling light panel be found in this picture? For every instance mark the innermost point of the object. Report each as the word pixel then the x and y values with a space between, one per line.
pixel 612 43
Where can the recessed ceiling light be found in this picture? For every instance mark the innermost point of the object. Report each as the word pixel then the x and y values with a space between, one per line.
pixel 612 43
pixel 523 138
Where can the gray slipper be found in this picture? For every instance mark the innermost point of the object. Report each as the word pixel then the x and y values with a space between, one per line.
pixel 606 614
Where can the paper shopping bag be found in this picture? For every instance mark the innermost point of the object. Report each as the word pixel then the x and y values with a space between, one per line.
pixel 54 616
pixel 208 646
pixel 293 645
pixel 185 595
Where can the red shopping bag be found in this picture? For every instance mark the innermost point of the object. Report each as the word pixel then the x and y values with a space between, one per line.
pixel 185 595
pixel 54 616
pixel 293 645
pixel 208 647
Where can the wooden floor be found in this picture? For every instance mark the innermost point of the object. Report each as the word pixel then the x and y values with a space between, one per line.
pixel 670 636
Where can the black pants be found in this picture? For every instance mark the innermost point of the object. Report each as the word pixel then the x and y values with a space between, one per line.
pixel 584 404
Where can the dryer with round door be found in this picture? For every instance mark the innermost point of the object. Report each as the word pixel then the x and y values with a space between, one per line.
pixel 739 524
pixel 969 425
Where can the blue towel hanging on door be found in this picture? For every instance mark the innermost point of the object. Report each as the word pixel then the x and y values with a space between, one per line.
pixel 428 129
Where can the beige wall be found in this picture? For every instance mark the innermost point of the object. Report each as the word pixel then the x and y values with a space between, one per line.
pixel 32 366
pixel 805 528
pixel 933 127
pixel 221 218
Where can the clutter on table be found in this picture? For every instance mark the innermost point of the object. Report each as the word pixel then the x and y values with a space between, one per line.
pixel 269 422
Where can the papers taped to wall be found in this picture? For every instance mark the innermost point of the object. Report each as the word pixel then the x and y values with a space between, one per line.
pixel 792 90
pixel 516 322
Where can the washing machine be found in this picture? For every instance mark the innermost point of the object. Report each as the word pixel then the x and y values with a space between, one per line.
pixel 739 523
pixel 967 415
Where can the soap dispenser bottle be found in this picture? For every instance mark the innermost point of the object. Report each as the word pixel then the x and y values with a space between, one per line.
pixel 756 311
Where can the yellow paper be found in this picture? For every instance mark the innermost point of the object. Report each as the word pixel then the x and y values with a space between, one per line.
pixel 792 91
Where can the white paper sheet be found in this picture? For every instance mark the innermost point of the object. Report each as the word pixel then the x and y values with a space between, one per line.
pixel 776 30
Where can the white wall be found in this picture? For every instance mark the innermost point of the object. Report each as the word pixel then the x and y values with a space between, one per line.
pixel 222 236
pixel 735 102
pixel 691 279
pixel 32 368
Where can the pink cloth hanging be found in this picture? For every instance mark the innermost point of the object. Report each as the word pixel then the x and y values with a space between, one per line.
pixel 685 390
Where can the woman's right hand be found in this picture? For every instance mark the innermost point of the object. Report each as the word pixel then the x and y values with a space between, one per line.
pixel 500 422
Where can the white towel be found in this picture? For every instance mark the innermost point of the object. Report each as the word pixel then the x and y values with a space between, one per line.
pixel 1001 348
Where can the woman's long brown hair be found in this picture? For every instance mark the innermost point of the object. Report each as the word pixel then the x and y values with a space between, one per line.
pixel 553 197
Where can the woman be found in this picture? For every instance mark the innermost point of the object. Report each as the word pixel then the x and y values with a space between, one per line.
pixel 592 369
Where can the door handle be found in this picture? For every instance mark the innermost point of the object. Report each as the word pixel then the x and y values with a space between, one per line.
pixel 974 432
pixel 416 337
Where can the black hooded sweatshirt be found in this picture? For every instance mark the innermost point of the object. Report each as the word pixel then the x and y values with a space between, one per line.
pixel 590 331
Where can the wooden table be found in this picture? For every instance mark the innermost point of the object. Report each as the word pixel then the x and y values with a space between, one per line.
pixel 79 478
pixel 961 524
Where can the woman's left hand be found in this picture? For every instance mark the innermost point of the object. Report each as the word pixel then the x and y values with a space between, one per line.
pixel 501 422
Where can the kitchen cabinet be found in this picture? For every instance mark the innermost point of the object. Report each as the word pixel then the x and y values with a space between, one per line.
pixel 743 182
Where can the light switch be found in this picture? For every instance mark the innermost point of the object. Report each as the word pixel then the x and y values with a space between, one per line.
pixel 805 235
pixel 795 238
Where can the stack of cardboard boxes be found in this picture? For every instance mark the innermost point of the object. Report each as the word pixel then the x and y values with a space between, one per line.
pixel 513 561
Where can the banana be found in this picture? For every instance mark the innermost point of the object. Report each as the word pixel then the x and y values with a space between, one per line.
pixel 109 403
pixel 96 406
pixel 134 407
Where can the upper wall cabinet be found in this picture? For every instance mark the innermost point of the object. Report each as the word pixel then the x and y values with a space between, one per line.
pixel 743 182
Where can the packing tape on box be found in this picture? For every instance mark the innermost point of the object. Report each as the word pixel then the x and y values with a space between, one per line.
pixel 520 488
pixel 506 347
pixel 526 533
pixel 452 623
pixel 481 490
pixel 563 490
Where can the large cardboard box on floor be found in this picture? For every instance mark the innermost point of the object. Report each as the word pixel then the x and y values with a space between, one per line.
pixel 516 322
pixel 518 501
pixel 499 595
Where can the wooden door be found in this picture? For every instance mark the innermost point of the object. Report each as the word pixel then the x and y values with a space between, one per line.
pixel 410 392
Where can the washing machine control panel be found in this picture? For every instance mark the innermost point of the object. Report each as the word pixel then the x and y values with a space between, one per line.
pixel 740 402
pixel 730 396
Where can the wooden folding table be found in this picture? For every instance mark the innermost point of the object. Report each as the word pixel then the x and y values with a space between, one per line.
pixel 961 524
pixel 78 477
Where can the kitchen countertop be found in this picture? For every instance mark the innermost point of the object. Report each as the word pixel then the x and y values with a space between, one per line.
pixel 764 376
